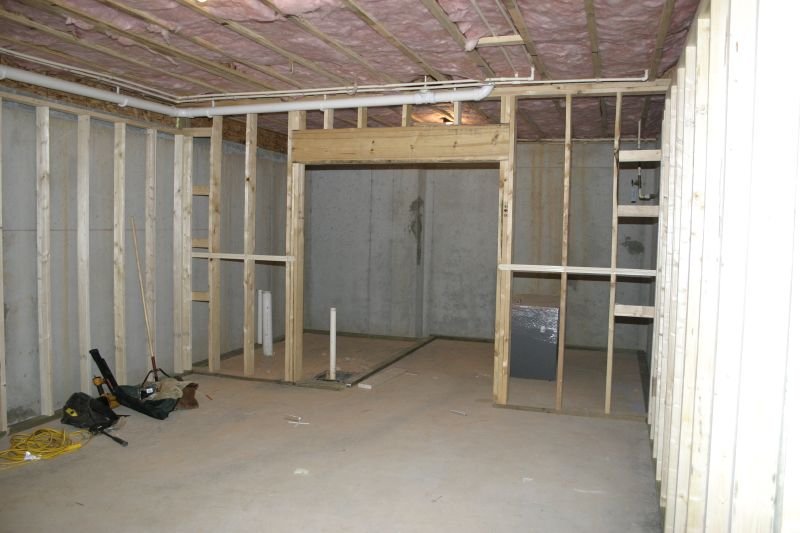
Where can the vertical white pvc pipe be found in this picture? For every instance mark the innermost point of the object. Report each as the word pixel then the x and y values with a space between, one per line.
pixel 266 323
pixel 332 369
pixel 260 320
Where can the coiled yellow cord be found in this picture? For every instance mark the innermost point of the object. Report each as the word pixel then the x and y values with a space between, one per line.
pixel 42 444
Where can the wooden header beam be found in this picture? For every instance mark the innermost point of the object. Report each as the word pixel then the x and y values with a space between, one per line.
pixel 436 144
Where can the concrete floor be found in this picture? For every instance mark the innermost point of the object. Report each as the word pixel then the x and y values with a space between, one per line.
pixel 394 458
pixel 585 385
pixel 355 354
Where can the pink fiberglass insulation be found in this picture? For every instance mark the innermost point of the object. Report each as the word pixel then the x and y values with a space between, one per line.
pixel 626 33
pixel 558 29
pixel 682 16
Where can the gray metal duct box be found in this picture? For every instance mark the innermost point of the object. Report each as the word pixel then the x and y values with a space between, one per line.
pixel 534 337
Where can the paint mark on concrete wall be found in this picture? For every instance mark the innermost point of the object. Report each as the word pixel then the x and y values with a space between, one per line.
pixel 633 247
pixel 415 226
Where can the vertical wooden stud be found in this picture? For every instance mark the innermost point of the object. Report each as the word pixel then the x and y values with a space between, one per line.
pixel 295 238
pixel 405 118
pixel 508 106
pixel 121 370
pixel 696 205
pixel 709 298
pixel 214 292
pixel 562 305
pixel 150 234
pixel 177 256
pixel 613 280
pixel 327 119
pixel 250 175
pixel 362 117
pixel 3 390
pixel 186 271
pixel 43 281
pixel 84 278
pixel 458 109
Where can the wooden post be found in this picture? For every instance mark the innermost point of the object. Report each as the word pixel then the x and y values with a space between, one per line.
pixel 674 255
pixel 177 256
pixel 121 370
pixel 327 119
pixel 405 119
pixel 214 292
pixel 84 278
pixel 694 246
pixel 295 184
pixel 43 281
pixel 613 280
pixel 562 305
pixel 186 272
pixel 699 481
pixel 508 107
pixel 458 108
pixel 150 231
pixel 250 176
pixel 3 391
pixel 362 117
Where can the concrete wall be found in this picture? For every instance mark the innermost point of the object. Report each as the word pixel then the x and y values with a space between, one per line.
pixel 362 254
pixel 19 247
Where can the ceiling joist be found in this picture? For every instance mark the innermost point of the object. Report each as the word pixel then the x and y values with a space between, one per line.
pixel 381 30
pixel 202 43
pixel 438 13
pixel 69 38
pixel 522 29
pixel 597 64
pixel 309 28
pixel 658 52
pixel 61 8
pixel 263 41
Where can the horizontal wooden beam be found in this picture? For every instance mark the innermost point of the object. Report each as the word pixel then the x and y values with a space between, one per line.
pixel 579 270
pixel 500 40
pixel 241 257
pixel 598 88
pixel 197 132
pixel 199 296
pixel 635 311
pixel 425 144
pixel 639 156
pixel 638 211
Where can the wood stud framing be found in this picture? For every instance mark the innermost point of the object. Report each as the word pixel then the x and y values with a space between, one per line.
pixel 43 282
pixel 214 267
pixel 562 303
pixel 150 230
pixel 84 268
pixel 120 361
pixel 508 108
pixel 3 391
pixel 177 255
pixel 186 254
pixel 613 280
pixel 250 177
pixel 295 219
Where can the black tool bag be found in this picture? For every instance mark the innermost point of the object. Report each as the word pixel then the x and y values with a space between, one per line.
pixel 83 411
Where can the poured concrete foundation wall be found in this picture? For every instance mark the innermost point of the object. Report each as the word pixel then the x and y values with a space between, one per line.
pixel 413 251
pixel 19 247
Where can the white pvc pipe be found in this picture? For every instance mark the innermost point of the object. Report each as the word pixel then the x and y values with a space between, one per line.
pixel 266 323
pixel 417 98
pixel 260 318
pixel 332 367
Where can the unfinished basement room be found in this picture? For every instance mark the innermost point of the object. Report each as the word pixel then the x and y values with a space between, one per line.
pixel 399 265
